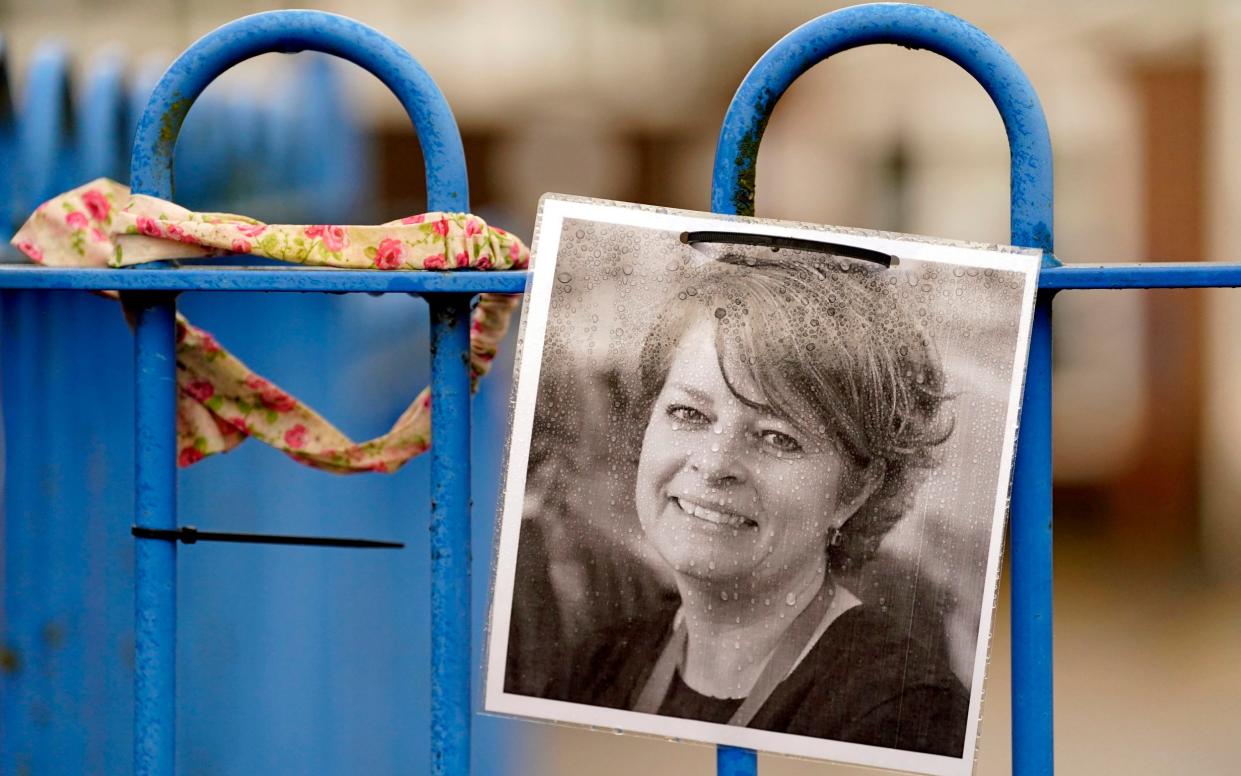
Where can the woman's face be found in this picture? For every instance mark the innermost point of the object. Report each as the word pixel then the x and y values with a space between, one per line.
pixel 726 491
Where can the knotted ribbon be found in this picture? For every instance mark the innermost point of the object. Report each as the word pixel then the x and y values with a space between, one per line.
pixel 220 400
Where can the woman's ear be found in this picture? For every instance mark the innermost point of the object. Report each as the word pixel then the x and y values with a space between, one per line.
pixel 866 482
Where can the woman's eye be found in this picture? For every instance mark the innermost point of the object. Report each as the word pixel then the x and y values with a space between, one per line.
pixel 780 441
pixel 686 414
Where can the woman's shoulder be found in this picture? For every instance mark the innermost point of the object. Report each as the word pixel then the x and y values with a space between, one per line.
pixel 869 680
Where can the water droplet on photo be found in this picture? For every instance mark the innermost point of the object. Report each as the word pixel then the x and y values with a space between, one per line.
pixel 791 599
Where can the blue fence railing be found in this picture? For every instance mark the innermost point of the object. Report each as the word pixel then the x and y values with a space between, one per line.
pixel 276 646
pixel 30 552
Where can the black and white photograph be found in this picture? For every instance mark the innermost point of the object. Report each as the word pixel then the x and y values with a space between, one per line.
pixel 757 482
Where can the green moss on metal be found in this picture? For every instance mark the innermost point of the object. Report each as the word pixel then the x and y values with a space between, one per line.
pixel 170 122
pixel 746 161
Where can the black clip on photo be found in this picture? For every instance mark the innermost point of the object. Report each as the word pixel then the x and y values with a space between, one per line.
pixel 774 242
pixel 191 535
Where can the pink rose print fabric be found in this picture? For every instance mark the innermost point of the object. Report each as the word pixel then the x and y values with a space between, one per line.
pixel 103 224
pixel 220 400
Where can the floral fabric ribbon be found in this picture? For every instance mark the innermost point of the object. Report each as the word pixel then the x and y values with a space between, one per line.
pixel 221 401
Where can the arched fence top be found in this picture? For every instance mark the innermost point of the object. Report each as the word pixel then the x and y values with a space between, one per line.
pixel 289 32
pixel 911 26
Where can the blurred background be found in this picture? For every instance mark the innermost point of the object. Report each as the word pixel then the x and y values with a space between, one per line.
pixel 305 661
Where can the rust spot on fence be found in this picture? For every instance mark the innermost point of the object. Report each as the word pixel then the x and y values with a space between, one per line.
pixel 10 661
pixel 53 634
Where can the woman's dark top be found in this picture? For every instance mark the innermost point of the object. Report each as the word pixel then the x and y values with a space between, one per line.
pixel 865 681
pixel 684 701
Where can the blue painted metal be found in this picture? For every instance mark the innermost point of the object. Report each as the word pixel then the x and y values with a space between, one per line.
pixel 734 761
pixel 213 742
pixel 1150 275
pixel 151 171
pixel 44 129
pixel 85 540
pixel 314 110
pixel 307 280
pixel 288 32
pixel 450 535
pixel 336 141
pixel 47 582
pixel 102 132
pixel 20 669
pixel 1030 543
pixel 141 84
pixel 155 562
pixel 1031 226
pixel 203 278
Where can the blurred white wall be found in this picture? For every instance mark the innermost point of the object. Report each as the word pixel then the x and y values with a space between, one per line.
pixel 1221 475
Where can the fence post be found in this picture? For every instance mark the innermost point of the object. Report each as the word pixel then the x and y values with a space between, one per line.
pixel 447 190
pixel 919 27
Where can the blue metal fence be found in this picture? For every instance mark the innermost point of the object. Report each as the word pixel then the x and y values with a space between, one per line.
pixel 448 295
pixel 326 704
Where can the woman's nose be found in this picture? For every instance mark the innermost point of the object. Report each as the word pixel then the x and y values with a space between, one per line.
pixel 722 459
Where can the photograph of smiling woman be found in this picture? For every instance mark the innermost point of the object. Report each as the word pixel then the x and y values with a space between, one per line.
pixel 785 409
pixel 761 491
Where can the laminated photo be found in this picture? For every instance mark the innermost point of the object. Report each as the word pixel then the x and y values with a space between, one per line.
pixel 757 482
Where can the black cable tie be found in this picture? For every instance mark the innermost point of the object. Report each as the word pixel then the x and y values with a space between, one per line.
pixel 191 535
pixel 775 242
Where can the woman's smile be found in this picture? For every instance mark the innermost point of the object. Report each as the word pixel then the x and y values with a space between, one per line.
pixel 717 515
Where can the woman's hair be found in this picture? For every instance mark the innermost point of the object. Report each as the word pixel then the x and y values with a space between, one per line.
pixel 829 346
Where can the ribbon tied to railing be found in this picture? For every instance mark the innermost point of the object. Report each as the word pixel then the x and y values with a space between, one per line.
pixel 221 401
